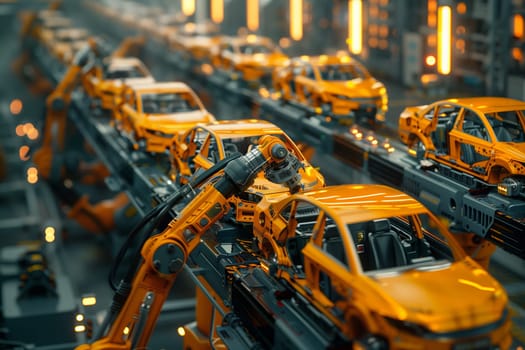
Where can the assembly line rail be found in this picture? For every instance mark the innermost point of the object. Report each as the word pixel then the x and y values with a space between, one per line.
pixel 489 215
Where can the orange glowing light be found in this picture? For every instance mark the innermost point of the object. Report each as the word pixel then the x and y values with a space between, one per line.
pixel 285 43
pixel 296 19
pixel 355 26
pixel 429 78
pixel 432 19
pixel 181 331
pixel 33 134
pixel 32 179
pixel 207 69
pixel 373 11
pixel 252 14
pixel 460 45
pixel 432 8
pixel 20 130
pixel 461 8
pixel 23 153
pixel 517 26
pixel 15 107
pixel 32 171
pixel 444 30
pixel 373 29
pixel 432 40
pixel 517 54
pixel 217 11
pixel 188 7
pixel 430 60
pixel 383 31
pixel 27 128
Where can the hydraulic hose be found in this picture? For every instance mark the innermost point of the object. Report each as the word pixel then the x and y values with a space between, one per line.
pixel 148 224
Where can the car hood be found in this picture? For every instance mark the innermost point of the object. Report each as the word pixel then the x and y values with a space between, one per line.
pixel 264 60
pixel 514 150
pixel 169 123
pixel 356 88
pixel 460 296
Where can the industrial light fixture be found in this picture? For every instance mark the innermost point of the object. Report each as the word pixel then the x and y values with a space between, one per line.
pixel 252 14
pixel 355 26
pixel 188 7
pixel 80 328
pixel 89 300
pixel 444 33
pixel 296 19
pixel 15 107
pixel 217 11
pixel 49 234
pixel 517 26
pixel 431 10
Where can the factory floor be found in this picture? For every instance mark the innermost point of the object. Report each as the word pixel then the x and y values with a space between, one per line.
pixel 85 259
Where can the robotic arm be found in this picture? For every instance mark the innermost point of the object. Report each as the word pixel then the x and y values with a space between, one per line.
pixel 46 158
pixel 165 254
pixel 129 44
pixel 88 62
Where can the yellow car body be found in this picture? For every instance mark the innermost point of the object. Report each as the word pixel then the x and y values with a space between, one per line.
pixel 195 40
pixel 378 264
pixel 66 42
pixel 335 85
pixel 253 58
pixel 202 146
pixel 480 136
pixel 110 82
pixel 46 26
pixel 153 113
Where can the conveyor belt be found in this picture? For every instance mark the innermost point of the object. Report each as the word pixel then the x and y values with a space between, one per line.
pixel 141 175
pixel 491 216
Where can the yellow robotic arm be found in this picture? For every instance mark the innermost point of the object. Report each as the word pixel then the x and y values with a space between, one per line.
pixel 165 254
pixel 57 104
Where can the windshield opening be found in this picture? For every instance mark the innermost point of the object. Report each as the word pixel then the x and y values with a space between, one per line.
pixel 341 72
pixel 508 126
pixel 400 242
pixel 251 49
pixel 168 103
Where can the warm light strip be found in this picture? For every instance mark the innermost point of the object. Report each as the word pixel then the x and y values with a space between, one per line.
pixel 188 7
pixel 296 19
pixel 444 31
pixel 431 18
pixel 518 26
pixel 252 14
pixel 355 26
pixel 217 11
